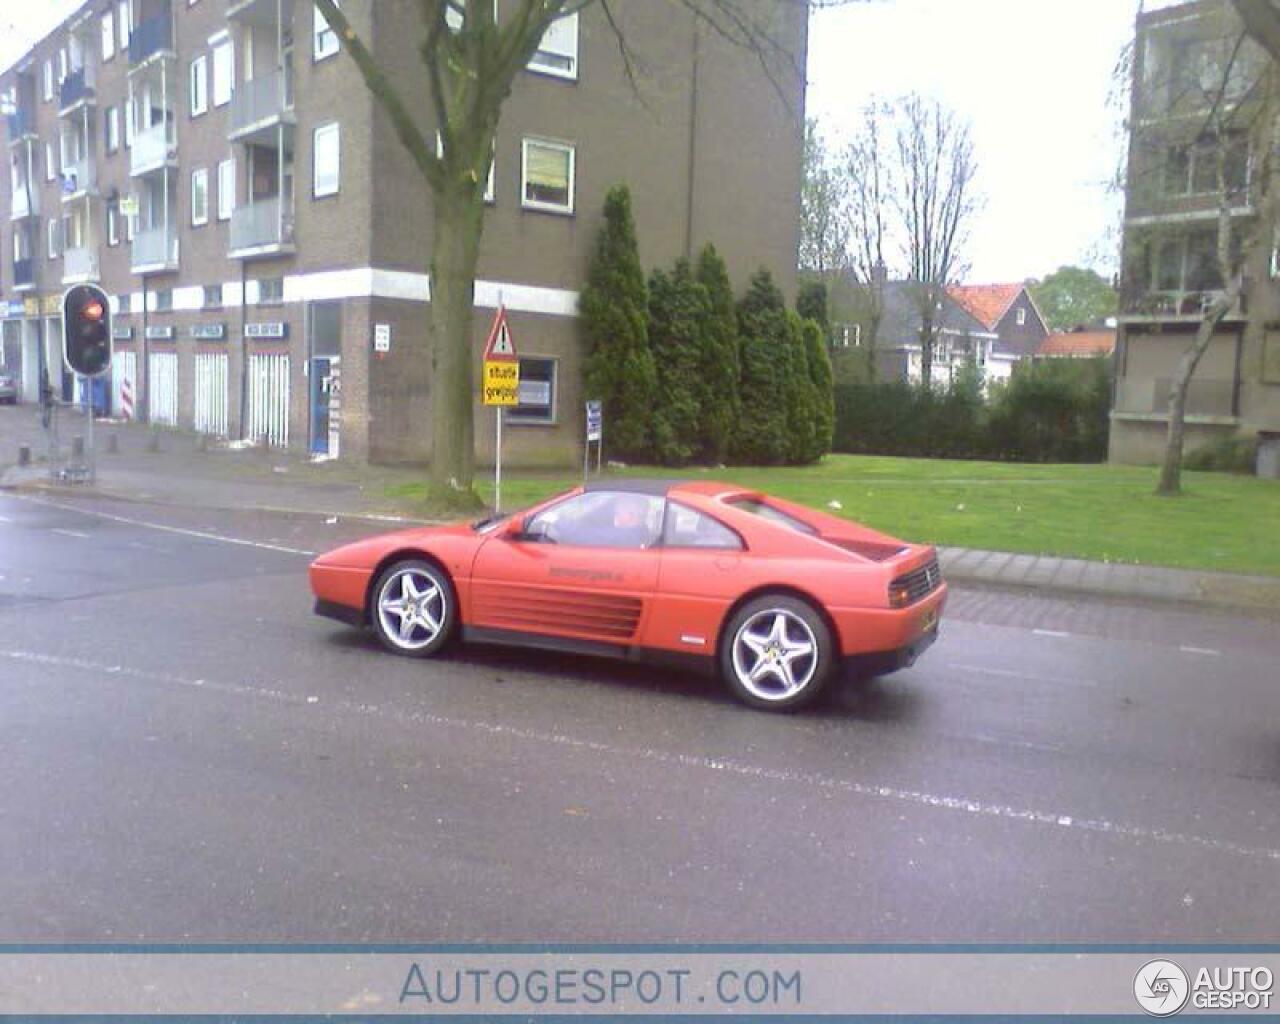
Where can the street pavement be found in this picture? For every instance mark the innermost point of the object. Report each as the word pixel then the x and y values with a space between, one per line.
pixel 190 754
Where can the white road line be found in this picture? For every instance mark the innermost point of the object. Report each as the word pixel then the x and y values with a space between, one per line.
pixel 5 519
pixel 78 534
pixel 1050 632
pixel 1200 650
pixel 722 766
pixel 199 534
pixel 1012 673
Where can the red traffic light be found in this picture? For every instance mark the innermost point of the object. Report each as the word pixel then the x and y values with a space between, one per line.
pixel 93 311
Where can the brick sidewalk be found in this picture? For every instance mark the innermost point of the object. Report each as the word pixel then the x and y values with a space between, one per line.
pixel 186 471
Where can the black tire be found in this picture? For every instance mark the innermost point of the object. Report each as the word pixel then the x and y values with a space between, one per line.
pixel 757 621
pixel 422 641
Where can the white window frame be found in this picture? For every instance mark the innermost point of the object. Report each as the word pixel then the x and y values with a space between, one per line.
pixel 324 40
pixel 537 204
pixel 226 188
pixel 128 122
pixel 124 23
pixel 53 235
pixel 1020 317
pixel 319 190
pixel 113 225
pixel 200 217
pixel 108 36
pixel 565 48
pixel 513 415
pixel 198 85
pixel 62 65
pixel 113 129
pixel 50 162
pixel 222 45
pixel 47 83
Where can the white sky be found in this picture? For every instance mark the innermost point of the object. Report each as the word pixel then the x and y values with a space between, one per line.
pixel 1033 76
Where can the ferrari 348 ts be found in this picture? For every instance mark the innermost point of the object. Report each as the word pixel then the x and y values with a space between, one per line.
pixel 773 595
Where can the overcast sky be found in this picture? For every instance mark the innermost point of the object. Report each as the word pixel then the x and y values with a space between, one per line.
pixel 1034 77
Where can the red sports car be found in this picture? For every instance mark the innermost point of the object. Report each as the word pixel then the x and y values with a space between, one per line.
pixel 773 594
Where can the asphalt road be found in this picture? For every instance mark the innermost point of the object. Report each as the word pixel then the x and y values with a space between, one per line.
pixel 186 753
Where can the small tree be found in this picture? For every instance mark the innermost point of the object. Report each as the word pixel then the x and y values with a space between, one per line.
pixel 824 215
pixel 811 304
pixel 800 396
pixel 614 308
pixel 1072 296
pixel 679 314
pixel 763 436
pixel 821 388
pixel 721 369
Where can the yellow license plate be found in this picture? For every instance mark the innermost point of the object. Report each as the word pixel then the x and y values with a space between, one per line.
pixel 929 621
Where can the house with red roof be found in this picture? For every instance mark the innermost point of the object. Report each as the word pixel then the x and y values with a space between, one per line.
pixel 1078 344
pixel 1010 313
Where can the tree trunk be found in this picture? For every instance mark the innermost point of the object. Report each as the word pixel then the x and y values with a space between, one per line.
pixel 1170 483
pixel 458 224
pixel 926 351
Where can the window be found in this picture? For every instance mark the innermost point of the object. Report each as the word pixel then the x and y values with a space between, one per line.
pixel 1021 317
pixel 846 335
pixel 113 129
pixel 453 17
pixel 108 36
pixel 600 519
pixel 128 123
pixel 113 224
pixel 557 54
pixel 547 173
pixel 226 189
pixel 761 508
pixel 224 70
pixel 164 300
pixel 48 80
pixel 213 296
pixel 55 238
pixel 688 528
pixel 270 291
pixel 199 90
pixel 326 160
pixel 50 163
pixel 200 197
pixel 324 38
pixel 62 65
pixel 125 22
pixel 126 303
pixel 537 394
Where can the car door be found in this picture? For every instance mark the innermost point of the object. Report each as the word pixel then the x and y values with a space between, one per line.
pixel 584 569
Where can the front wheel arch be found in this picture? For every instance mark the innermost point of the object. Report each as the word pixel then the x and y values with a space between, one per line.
pixel 399 556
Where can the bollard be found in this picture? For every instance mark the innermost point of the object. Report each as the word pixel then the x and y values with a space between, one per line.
pixel 113 444
pixel 24 455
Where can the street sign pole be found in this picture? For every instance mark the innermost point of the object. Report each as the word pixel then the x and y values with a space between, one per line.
pixel 500 386
pixel 497 466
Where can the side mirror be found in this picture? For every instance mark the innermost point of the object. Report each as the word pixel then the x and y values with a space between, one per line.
pixel 514 530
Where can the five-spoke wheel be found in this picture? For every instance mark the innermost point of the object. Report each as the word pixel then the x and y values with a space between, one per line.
pixel 413 608
pixel 777 652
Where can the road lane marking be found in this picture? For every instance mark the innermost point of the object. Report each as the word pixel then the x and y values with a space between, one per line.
pixel 1012 673
pixel 1200 650
pixel 198 534
pixel 78 534
pixel 718 765
pixel 1050 632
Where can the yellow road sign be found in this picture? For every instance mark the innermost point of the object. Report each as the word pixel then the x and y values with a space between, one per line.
pixel 501 382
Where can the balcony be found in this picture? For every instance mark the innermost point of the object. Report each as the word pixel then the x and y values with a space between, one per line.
pixel 154 251
pixel 261 12
pixel 78 179
pixel 1176 306
pixel 1148 398
pixel 79 266
pixel 19 208
pixel 153 37
pixel 24 274
pixel 259 229
pixel 77 88
pixel 153 149
pixel 260 104
pixel 22 125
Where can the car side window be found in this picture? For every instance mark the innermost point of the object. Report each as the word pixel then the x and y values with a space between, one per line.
pixel 688 528
pixel 602 519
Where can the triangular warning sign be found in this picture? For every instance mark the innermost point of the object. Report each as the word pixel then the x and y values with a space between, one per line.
pixel 500 347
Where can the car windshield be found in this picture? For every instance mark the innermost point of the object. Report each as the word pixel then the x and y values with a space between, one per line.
pixel 760 507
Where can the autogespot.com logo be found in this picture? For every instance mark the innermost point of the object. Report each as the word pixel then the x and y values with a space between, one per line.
pixel 1161 988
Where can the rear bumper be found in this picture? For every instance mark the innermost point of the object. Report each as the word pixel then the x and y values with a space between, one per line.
pixel 881 663
pixel 341 612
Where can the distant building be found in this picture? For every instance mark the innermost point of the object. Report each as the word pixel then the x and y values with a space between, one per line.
pixel 960 338
pixel 1079 344
pixel 1010 311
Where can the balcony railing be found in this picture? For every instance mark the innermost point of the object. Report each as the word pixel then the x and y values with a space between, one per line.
pixel 259 101
pixel 1183 305
pixel 152 148
pixel 155 248
pixel 260 224
pixel 21 123
pixel 24 273
pixel 80 264
pixel 78 177
pixel 20 207
pixel 155 35
pixel 1150 396
pixel 76 86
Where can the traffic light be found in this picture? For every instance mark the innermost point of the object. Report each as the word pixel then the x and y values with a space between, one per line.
pixel 86 330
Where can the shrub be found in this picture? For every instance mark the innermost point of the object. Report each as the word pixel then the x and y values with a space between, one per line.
pixel 763 436
pixel 679 312
pixel 820 387
pixel 1224 455
pixel 721 369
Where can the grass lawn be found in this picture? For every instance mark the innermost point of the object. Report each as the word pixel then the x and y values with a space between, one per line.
pixel 1101 512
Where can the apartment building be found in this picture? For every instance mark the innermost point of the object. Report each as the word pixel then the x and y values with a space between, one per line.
pixel 220 169
pixel 1191 154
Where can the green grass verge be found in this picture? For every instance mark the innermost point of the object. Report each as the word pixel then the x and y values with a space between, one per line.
pixel 1101 512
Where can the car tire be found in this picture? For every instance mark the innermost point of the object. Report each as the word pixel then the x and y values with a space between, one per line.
pixel 422 591
pixel 778 653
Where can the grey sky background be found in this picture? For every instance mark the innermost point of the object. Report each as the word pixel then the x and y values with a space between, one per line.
pixel 1034 77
